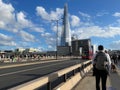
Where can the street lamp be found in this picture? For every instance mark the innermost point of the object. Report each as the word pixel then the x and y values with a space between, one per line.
pixel 56 35
pixel 57 21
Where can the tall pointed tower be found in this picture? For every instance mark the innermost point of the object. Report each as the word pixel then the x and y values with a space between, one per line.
pixel 66 34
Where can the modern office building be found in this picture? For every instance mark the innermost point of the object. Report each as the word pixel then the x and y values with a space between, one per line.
pixel 66 34
pixel 65 44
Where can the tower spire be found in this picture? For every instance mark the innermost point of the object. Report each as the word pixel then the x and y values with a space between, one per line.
pixel 66 36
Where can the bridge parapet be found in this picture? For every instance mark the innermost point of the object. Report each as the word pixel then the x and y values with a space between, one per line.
pixel 64 79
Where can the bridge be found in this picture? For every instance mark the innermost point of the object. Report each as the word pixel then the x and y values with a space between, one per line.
pixel 61 74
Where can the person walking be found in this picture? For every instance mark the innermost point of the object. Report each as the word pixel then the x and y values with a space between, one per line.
pixel 109 59
pixel 115 58
pixel 100 61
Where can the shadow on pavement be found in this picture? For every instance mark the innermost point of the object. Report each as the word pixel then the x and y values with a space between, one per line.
pixel 114 79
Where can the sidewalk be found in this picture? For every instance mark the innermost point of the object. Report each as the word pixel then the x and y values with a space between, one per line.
pixel 88 83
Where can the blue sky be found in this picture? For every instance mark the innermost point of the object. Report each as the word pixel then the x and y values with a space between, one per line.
pixel 27 23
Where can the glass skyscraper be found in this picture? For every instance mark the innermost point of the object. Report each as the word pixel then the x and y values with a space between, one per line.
pixel 66 34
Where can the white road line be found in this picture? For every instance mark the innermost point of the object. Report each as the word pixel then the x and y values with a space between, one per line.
pixel 30 69
pixel 25 64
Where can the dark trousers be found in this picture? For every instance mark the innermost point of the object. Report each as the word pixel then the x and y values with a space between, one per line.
pixel 101 75
pixel 115 61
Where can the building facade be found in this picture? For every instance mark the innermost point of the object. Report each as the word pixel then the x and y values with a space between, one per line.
pixel 82 48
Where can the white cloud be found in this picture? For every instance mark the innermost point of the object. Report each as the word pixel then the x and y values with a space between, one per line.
pixel 22 21
pixel 38 29
pixel 4 37
pixel 27 37
pixel 75 21
pixel 117 14
pixel 53 15
pixel 115 45
pixel 50 47
pixel 113 31
pixel 46 34
pixel 102 13
pixel 89 29
pixel 2 24
pixel 84 15
pixel 6 14
pixel 6 43
pixel 42 12
pixel 6 40
pixel 49 39
pixel 54 28
pixel 11 21
pixel 96 31
pixel 15 23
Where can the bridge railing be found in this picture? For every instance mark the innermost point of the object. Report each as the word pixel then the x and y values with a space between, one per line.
pixel 58 80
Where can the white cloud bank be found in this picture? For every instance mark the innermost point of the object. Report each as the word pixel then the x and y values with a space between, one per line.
pixel 96 31
pixel 88 30
pixel 16 22
pixel 115 45
pixel 83 29
pixel 6 40
pixel 117 14
pixel 53 15
pixel 75 21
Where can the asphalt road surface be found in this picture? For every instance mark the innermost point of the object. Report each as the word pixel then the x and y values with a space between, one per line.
pixel 13 76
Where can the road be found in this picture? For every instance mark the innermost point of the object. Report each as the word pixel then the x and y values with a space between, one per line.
pixel 15 74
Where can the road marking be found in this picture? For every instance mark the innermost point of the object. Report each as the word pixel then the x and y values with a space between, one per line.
pixel 31 69
pixel 3 67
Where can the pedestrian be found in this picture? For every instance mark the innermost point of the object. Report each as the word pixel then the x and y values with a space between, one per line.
pixel 115 58
pixel 101 60
pixel 109 59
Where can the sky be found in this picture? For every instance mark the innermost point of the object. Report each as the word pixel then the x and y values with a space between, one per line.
pixel 29 23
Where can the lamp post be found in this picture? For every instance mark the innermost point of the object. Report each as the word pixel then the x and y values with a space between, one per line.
pixel 57 21
pixel 56 35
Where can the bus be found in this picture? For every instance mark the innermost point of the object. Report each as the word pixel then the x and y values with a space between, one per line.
pixel 83 48
pixel 87 52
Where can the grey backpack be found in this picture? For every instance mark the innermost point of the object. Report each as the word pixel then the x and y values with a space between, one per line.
pixel 100 60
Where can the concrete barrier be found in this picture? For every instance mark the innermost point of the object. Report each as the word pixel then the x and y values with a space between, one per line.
pixel 67 84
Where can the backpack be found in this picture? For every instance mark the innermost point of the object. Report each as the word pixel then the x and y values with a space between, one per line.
pixel 100 60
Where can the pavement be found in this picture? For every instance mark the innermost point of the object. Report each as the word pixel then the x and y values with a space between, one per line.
pixel 88 82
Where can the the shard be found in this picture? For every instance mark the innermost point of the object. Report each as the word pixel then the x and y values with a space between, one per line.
pixel 66 34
